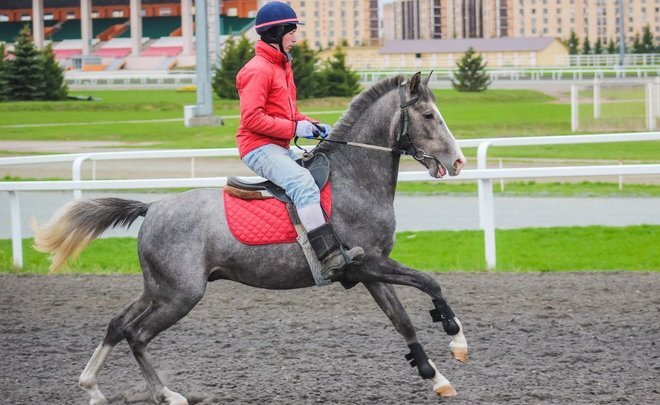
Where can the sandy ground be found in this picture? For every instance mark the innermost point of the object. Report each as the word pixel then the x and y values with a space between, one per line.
pixel 568 338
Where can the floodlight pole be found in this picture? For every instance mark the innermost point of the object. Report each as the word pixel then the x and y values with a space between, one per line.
pixel 622 36
pixel 201 114
pixel 203 68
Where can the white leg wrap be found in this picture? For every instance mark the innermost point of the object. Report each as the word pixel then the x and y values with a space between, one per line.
pixel 458 341
pixel 174 398
pixel 441 385
pixel 89 377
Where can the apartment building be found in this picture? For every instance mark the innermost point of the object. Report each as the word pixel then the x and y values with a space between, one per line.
pixel 447 19
pixel 331 22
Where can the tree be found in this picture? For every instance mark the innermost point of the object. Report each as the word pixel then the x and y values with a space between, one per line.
pixel 471 75
pixel 3 69
pixel 24 74
pixel 586 46
pixel 648 45
pixel 637 46
pixel 304 62
pixel 336 78
pixel 611 47
pixel 54 86
pixel 573 43
pixel 234 57
pixel 598 47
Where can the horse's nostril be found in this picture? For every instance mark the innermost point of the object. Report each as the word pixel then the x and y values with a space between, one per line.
pixel 458 164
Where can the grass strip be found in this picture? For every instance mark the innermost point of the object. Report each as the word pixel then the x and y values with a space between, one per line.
pixel 592 248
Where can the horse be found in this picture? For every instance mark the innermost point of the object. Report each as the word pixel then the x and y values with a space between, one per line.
pixel 184 241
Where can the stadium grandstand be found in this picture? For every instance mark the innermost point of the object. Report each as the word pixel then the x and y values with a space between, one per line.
pixel 164 40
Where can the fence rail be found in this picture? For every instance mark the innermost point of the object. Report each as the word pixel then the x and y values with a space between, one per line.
pixel 483 175
pixel 139 79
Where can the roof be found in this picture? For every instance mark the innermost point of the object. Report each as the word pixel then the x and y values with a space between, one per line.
pixel 462 45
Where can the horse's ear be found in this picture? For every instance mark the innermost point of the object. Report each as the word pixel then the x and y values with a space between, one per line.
pixel 415 82
pixel 427 79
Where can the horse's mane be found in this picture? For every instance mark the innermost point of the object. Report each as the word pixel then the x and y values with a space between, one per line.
pixel 365 100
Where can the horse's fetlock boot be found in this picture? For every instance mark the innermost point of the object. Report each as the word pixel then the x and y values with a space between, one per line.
pixel 418 358
pixel 443 313
pixel 451 327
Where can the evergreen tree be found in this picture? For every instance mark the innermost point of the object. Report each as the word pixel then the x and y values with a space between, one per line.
pixel 234 57
pixel 573 43
pixel 3 69
pixel 637 46
pixel 337 79
pixel 304 61
pixel 598 47
pixel 648 45
pixel 586 46
pixel 54 86
pixel 471 75
pixel 24 74
pixel 611 47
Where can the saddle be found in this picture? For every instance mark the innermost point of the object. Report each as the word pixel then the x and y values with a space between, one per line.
pixel 318 166
pixel 261 213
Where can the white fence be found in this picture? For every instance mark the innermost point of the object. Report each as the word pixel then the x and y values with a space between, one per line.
pixel 483 175
pixel 174 79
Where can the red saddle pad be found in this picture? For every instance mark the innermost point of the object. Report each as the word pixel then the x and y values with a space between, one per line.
pixel 263 222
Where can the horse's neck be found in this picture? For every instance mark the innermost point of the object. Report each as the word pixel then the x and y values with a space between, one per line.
pixel 367 170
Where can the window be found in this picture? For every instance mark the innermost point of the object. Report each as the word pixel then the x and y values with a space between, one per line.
pixel 4 18
pixel 26 17
pixel 165 11
pixel 117 13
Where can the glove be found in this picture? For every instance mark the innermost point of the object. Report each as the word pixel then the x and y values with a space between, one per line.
pixel 326 130
pixel 305 129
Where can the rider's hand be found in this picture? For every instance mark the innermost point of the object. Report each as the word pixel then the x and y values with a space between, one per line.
pixel 326 130
pixel 305 129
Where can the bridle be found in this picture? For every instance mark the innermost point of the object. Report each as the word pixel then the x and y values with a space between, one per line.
pixel 404 143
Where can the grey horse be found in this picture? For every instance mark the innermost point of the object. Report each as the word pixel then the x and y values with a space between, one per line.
pixel 184 241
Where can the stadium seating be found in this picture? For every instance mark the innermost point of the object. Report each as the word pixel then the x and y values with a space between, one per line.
pixel 9 30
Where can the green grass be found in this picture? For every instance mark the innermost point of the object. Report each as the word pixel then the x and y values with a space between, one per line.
pixel 529 249
pixel 583 189
pixel 494 113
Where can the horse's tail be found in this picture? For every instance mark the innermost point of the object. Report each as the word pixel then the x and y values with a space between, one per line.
pixel 79 222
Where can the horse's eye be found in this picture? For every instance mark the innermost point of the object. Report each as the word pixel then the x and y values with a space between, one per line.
pixel 428 115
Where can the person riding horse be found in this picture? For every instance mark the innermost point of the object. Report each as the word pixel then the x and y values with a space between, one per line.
pixel 270 119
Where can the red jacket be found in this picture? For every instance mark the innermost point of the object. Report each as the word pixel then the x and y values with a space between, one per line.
pixel 268 100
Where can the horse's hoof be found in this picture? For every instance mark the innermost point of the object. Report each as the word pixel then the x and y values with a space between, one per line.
pixel 460 354
pixel 446 390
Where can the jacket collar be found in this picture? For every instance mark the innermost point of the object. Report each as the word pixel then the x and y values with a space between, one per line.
pixel 271 54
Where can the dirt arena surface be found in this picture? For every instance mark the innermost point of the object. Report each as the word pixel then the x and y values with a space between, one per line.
pixel 567 338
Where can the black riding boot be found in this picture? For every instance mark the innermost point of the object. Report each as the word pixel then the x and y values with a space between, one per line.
pixel 333 256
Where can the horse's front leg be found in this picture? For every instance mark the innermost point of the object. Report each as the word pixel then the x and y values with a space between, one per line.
pixel 388 301
pixel 393 272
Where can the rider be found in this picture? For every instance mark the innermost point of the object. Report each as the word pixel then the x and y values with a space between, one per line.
pixel 270 119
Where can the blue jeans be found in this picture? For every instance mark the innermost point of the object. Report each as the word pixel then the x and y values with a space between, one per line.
pixel 278 165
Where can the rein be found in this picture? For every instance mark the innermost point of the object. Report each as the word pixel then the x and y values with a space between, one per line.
pixel 408 149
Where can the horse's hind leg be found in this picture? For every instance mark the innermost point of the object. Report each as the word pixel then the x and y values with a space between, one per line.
pixel 113 335
pixel 388 301
pixel 167 306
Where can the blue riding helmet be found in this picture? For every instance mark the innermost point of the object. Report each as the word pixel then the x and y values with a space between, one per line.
pixel 274 20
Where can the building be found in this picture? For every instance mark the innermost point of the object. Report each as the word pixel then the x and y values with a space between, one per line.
pixel 332 22
pixel 592 19
pixel 444 53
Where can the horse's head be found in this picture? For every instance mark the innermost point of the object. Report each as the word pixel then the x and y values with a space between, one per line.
pixel 421 131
